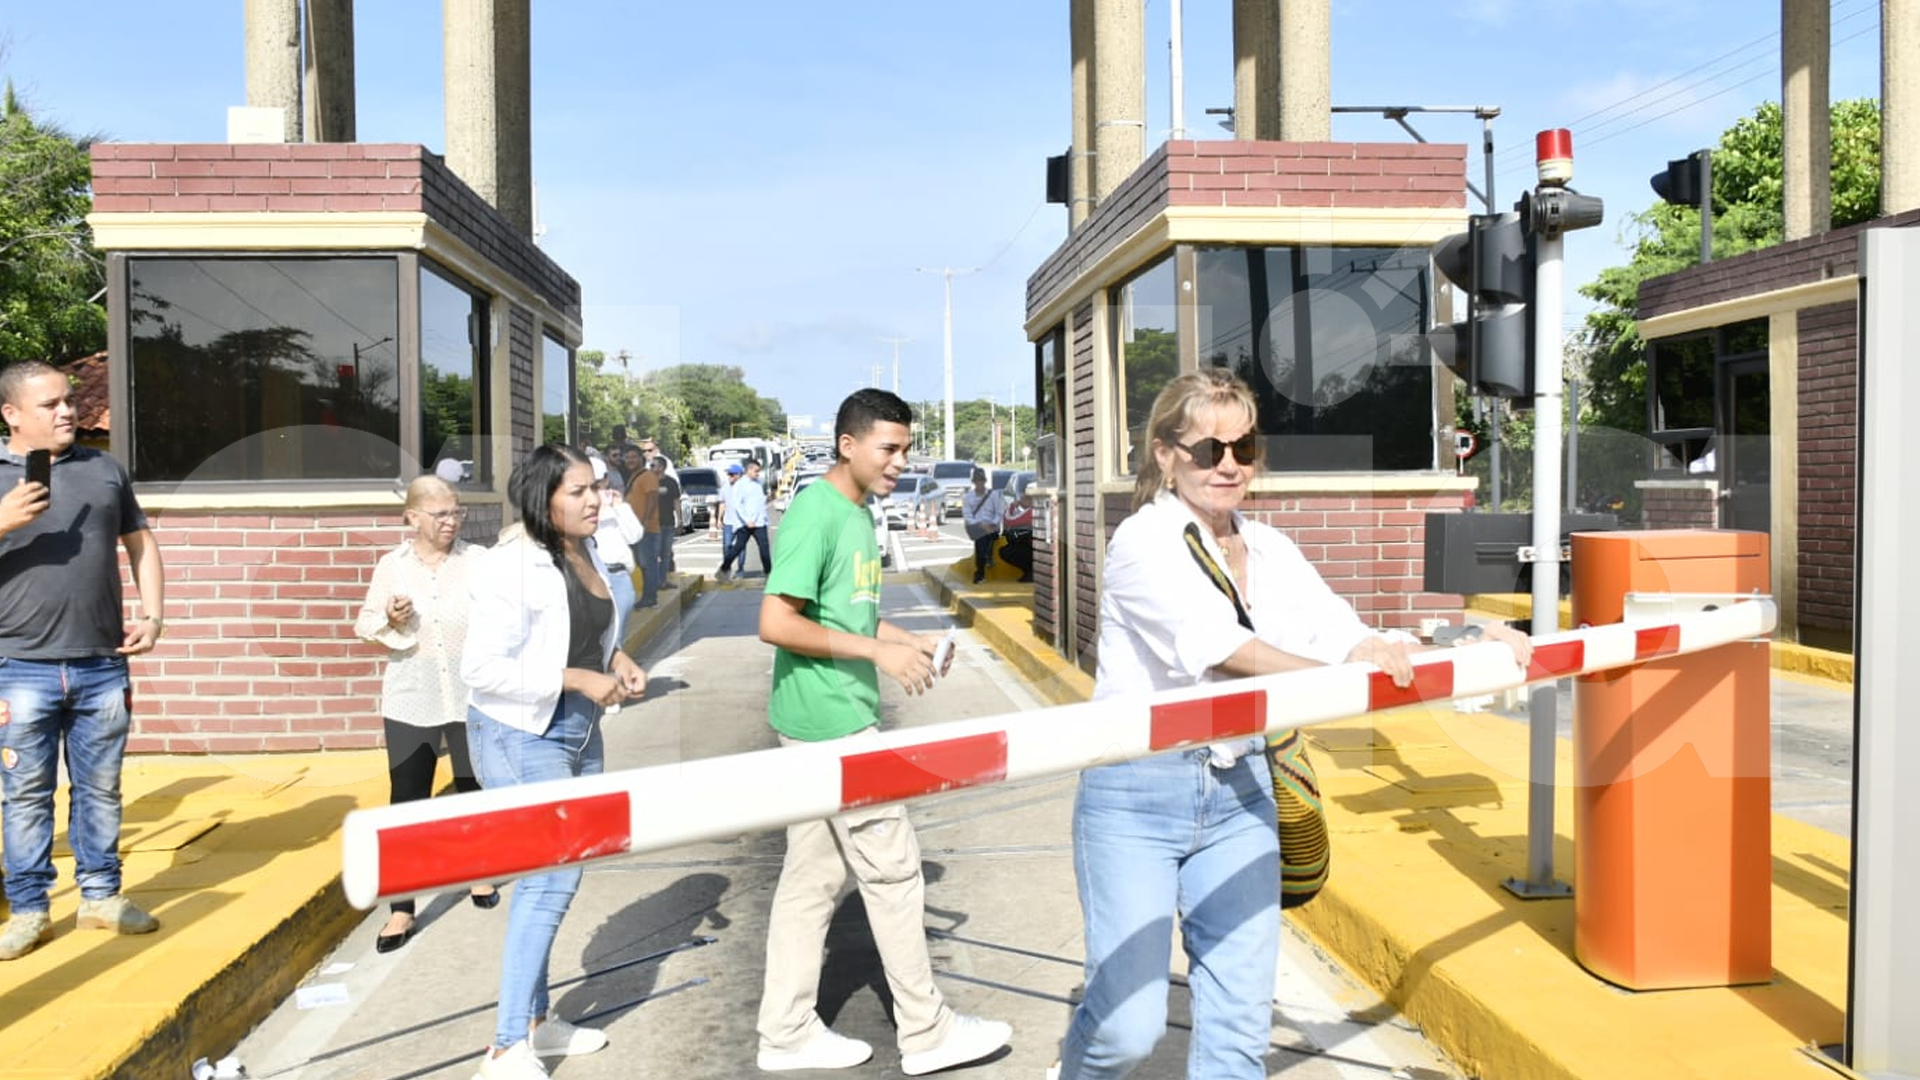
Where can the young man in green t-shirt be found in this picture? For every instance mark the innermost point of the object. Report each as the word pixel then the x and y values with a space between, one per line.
pixel 822 614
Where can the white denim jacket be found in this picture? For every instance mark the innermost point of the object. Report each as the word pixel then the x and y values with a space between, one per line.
pixel 517 630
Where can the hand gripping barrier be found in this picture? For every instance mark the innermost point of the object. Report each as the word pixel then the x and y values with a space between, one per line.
pixel 489 836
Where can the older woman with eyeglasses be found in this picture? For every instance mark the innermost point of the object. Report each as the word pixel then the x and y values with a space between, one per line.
pixel 417 607
pixel 1194 592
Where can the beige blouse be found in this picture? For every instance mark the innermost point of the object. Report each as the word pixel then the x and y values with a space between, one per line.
pixel 422 684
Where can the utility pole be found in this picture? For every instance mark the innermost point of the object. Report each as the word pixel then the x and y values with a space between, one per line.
pixel 946 273
pixel 896 342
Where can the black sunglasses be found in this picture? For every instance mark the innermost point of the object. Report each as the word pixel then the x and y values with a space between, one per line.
pixel 1206 453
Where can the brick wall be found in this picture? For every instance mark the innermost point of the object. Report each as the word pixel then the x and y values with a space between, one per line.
pixel 316 177
pixel 1829 427
pixel 1046 595
pixel 259 652
pixel 1688 506
pixel 1256 174
pixel 1799 262
pixel 526 415
pixel 1086 548
pixel 1370 548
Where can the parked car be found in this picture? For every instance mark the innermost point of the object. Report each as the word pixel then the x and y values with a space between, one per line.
pixel 877 508
pixel 699 498
pixel 955 479
pixel 998 479
pixel 1015 484
pixel 911 491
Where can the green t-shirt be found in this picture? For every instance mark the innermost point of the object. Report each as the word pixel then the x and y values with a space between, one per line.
pixel 827 555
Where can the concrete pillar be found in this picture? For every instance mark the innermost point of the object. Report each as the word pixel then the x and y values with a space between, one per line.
pixel 1805 117
pixel 1119 93
pixel 489 137
pixel 1306 70
pixel 273 59
pixel 329 71
pixel 1256 69
pixel 1899 97
pixel 1080 158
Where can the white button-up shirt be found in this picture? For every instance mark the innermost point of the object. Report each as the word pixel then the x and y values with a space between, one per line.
pixel 518 633
pixel 1164 624
pixel 422 684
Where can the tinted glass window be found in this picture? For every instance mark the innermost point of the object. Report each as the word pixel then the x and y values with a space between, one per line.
pixel 264 369
pixel 699 481
pixel 1683 383
pixel 953 470
pixel 1331 340
pixel 556 392
pixel 453 347
pixel 1147 351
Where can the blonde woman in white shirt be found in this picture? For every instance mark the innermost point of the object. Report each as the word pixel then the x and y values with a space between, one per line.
pixel 542 662
pixel 416 606
pixel 1191 833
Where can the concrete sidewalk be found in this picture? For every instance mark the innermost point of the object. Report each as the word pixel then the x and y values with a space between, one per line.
pixel 1428 811
pixel 239 857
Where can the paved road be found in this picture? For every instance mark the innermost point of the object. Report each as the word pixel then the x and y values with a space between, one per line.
pixel 697 553
pixel 664 950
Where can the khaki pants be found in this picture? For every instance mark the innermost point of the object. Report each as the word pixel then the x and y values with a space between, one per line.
pixel 879 847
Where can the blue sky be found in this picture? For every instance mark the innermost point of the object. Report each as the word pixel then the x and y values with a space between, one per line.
pixel 755 183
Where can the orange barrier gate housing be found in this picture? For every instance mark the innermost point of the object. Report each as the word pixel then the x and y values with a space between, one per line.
pixel 1672 760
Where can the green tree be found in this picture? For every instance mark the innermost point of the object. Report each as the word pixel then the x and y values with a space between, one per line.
pixel 1747 214
pixel 719 404
pixel 49 270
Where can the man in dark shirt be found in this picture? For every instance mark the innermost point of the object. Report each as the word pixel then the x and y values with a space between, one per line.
pixel 669 519
pixel 63 656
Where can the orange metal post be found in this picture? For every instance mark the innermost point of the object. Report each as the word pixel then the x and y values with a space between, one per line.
pixel 1672 818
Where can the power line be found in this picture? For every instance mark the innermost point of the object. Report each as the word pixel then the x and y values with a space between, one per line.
pixel 1518 151
pixel 1004 248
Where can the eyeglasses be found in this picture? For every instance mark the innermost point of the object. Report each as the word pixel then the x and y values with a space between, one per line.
pixel 1206 453
pixel 444 516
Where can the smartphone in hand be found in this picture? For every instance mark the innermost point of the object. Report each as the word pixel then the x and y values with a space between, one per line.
pixel 941 652
pixel 40 468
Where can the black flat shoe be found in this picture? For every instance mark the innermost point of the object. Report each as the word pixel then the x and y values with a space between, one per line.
pixel 485 900
pixel 387 943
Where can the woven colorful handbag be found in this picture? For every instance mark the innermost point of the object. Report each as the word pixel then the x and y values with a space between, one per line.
pixel 1305 849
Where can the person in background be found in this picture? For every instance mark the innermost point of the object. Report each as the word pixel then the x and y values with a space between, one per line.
pixel 821 613
pixel 643 497
pixel 65 690
pixel 669 518
pixel 614 539
pixel 981 511
pixel 416 606
pixel 729 476
pixel 747 513
pixel 541 664
pixel 1017 527
pixel 1194 592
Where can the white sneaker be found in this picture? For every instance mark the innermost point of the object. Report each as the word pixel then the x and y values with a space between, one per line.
pixel 1053 1071
pixel 827 1050
pixel 970 1039
pixel 557 1038
pixel 517 1063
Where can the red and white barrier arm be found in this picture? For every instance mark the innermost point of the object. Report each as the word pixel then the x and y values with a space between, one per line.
pixel 492 835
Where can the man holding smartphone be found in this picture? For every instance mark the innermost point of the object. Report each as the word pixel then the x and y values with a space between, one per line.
pixel 64 645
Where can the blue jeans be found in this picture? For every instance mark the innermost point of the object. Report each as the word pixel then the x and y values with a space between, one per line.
pixel 666 556
pixel 1165 835
pixel 649 568
pixel 85 707
pixel 621 582
pixel 504 756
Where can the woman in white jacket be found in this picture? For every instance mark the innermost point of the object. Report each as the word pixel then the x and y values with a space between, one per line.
pixel 541 663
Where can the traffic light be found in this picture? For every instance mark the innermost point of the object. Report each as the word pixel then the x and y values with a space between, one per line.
pixel 1686 182
pixel 1492 262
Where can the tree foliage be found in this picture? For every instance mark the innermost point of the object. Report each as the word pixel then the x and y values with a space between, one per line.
pixel 49 270
pixel 1747 214
pixel 719 403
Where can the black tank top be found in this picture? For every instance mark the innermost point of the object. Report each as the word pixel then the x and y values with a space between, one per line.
pixel 587 619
